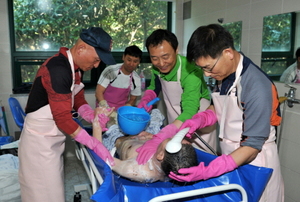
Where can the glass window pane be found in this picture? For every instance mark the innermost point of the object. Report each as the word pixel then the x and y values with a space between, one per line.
pixel 274 66
pixel 28 73
pixel 49 24
pixel 235 29
pixel 277 33
pixel 86 76
pixel 146 68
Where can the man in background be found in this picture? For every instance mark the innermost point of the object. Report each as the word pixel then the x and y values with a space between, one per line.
pixel 119 84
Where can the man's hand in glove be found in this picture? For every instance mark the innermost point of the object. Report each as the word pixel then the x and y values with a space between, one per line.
pixel 217 167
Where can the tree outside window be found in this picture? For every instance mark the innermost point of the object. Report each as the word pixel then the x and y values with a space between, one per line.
pixel 235 29
pixel 277 43
pixel 40 28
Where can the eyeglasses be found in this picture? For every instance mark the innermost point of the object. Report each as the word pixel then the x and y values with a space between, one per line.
pixel 210 69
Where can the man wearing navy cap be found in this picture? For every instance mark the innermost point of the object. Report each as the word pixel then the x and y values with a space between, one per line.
pixel 56 91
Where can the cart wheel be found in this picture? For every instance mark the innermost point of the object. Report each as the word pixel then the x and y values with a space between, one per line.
pixel 77 197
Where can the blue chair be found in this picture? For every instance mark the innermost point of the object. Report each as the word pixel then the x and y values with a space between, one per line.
pixel 17 112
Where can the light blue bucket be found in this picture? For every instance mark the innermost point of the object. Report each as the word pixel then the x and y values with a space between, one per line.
pixel 133 120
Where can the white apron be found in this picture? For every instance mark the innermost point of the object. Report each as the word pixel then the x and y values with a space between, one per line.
pixel 230 118
pixel 172 101
pixel 41 146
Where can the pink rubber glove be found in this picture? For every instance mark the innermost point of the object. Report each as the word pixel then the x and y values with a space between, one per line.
pixel 103 121
pixel 149 148
pixel 217 167
pixel 84 138
pixel 198 121
pixel 88 114
pixel 147 97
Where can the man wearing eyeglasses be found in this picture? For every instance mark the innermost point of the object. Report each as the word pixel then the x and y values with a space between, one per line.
pixel 183 92
pixel 245 105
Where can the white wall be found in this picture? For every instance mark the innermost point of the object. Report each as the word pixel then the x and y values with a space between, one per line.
pixel 251 12
pixel 289 149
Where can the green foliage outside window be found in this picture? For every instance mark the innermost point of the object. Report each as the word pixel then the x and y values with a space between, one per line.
pixel 41 27
pixel 277 44
pixel 50 24
pixel 235 29
pixel 277 32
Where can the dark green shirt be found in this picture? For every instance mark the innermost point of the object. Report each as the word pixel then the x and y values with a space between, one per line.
pixel 192 83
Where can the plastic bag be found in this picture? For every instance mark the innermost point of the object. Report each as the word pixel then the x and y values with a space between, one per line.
pixel 117 189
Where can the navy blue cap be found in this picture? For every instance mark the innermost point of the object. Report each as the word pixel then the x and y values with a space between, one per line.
pixel 101 41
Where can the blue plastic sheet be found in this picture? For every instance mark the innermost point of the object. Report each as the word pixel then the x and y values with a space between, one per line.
pixel 117 189
pixel 6 139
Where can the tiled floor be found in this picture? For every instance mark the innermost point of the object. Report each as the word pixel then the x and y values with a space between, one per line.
pixel 75 174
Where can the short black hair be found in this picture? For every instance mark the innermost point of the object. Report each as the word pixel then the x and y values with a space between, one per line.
pixel 133 51
pixel 160 35
pixel 185 158
pixel 209 40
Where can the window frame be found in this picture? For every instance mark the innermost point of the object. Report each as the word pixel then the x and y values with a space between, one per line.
pixel 282 56
pixel 16 56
